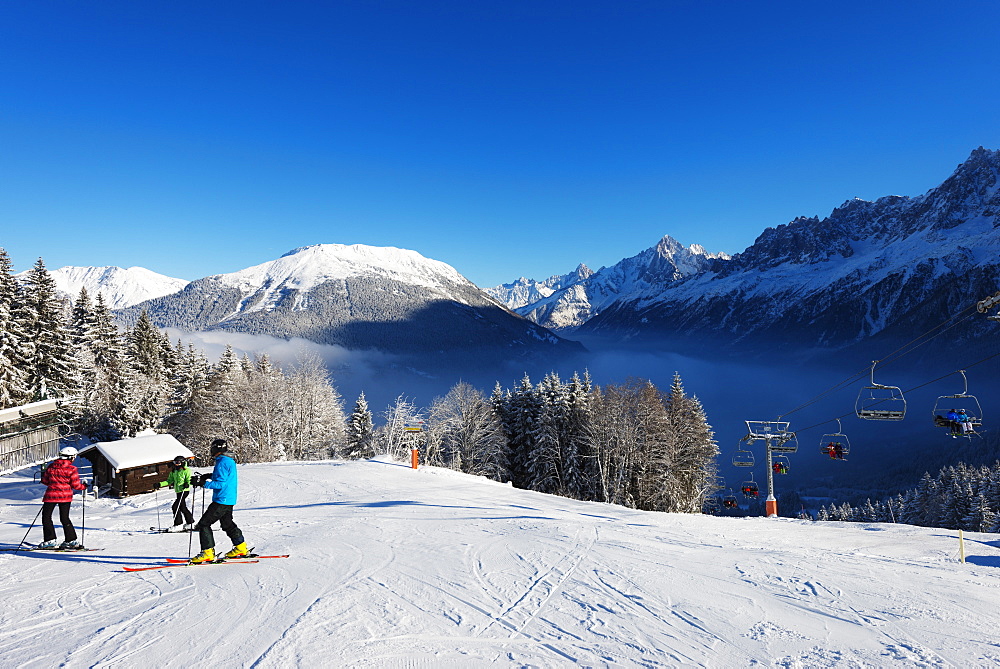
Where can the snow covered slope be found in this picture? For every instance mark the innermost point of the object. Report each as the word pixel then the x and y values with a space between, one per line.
pixel 121 287
pixel 392 567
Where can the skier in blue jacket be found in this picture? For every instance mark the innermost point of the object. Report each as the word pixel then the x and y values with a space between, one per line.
pixel 222 482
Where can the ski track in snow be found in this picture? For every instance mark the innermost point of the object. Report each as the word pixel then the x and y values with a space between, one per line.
pixel 392 567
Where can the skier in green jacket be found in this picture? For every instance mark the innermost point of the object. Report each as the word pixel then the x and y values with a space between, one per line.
pixel 180 479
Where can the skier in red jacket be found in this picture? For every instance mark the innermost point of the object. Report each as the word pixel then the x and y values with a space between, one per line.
pixel 61 478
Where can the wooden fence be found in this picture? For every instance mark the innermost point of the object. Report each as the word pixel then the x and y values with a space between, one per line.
pixel 30 434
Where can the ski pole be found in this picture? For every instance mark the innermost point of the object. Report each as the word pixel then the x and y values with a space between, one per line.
pixel 83 518
pixel 16 550
pixel 156 503
pixel 190 537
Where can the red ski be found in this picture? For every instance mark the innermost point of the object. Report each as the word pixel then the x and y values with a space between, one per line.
pixel 185 563
pixel 245 557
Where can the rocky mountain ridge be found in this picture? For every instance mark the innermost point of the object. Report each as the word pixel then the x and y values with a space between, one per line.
pixel 563 303
pixel 869 269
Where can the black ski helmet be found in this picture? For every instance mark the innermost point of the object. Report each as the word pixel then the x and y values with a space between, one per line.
pixel 218 447
pixel 179 461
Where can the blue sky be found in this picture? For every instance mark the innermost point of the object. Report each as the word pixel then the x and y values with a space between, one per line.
pixel 504 138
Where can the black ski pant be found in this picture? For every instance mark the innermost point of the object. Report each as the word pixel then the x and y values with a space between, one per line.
pixel 180 507
pixel 224 514
pixel 48 529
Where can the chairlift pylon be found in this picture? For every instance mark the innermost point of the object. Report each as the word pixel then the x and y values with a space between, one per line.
pixel 835 444
pixel 959 403
pixel 880 402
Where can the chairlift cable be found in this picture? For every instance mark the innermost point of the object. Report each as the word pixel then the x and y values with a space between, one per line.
pixel 889 358
pixel 849 380
pixel 908 390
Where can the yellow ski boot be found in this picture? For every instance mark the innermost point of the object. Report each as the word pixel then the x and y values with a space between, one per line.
pixel 238 551
pixel 207 555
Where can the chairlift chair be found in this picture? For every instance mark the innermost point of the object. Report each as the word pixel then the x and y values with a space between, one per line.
pixel 743 457
pixel 712 505
pixel 781 465
pixel 789 443
pixel 750 488
pixel 880 402
pixel 730 501
pixel 962 401
pixel 836 445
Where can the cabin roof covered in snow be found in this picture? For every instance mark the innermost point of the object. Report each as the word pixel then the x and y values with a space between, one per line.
pixel 142 450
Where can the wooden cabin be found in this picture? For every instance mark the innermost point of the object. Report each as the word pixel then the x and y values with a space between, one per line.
pixel 134 466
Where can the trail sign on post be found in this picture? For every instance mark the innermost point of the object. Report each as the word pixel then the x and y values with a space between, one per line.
pixel 415 426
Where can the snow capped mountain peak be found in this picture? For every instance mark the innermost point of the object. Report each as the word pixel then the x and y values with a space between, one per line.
pixel 304 268
pixel 583 272
pixel 120 287
pixel 361 298
pixel 685 259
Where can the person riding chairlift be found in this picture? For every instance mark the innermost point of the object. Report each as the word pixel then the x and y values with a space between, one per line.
pixel 955 427
pixel 950 421
pixel 964 421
